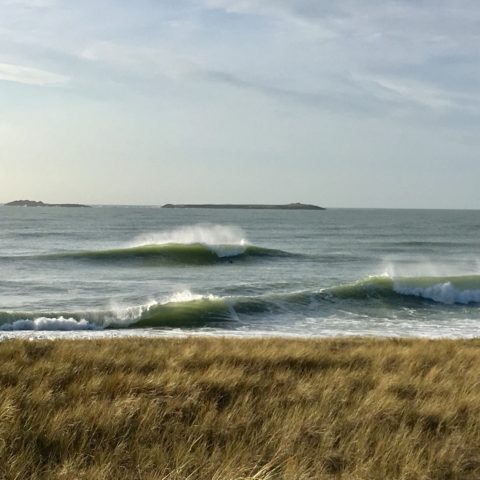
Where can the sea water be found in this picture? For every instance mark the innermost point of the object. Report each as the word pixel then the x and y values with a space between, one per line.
pixel 119 271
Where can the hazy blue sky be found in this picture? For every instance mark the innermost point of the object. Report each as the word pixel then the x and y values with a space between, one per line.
pixel 349 103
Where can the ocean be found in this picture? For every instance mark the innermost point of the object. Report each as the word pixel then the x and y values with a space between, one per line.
pixel 119 271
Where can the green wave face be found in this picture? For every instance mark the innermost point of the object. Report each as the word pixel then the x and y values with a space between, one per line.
pixel 178 253
pixel 372 287
pixel 192 313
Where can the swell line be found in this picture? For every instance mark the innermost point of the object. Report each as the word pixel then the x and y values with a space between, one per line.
pixel 188 310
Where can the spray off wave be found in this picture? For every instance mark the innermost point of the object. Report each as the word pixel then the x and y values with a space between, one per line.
pixel 203 233
pixel 185 309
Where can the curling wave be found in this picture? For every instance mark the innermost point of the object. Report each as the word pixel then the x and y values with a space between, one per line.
pixel 201 244
pixel 448 290
pixel 178 253
pixel 185 309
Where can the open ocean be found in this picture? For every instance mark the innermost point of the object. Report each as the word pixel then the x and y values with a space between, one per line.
pixel 116 271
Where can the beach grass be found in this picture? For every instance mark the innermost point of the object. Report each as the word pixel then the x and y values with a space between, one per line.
pixel 217 408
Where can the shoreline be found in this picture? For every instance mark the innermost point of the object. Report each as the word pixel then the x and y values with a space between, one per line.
pixel 264 408
pixel 158 334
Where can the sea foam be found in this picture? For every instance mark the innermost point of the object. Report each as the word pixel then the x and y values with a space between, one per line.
pixel 442 293
pixel 49 324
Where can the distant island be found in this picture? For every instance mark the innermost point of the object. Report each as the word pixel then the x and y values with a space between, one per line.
pixel 33 203
pixel 247 206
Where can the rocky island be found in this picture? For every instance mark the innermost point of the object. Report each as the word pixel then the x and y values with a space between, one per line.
pixel 33 203
pixel 247 206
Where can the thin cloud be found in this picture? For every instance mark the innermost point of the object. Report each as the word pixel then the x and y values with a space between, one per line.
pixel 347 97
pixel 148 61
pixel 415 92
pixel 34 4
pixel 387 53
pixel 30 76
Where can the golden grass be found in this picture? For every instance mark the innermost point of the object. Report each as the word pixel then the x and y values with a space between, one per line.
pixel 225 409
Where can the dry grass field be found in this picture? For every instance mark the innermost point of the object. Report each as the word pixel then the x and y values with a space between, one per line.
pixel 227 409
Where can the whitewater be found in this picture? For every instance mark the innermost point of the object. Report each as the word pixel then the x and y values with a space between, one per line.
pixel 118 271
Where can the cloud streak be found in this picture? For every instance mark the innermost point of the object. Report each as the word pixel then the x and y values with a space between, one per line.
pixel 30 76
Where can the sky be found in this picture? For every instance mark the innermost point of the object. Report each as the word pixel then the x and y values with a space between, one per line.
pixel 372 103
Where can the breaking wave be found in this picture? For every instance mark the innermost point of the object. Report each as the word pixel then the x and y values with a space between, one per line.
pixel 182 309
pixel 447 290
pixel 49 324
pixel 178 253
pixel 185 309
pixel 201 244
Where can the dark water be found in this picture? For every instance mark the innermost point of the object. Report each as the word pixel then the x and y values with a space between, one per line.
pixel 152 271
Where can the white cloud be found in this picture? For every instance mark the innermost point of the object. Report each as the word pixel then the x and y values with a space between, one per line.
pixel 30 76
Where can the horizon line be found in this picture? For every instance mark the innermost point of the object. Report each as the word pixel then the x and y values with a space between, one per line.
pixel 161 205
